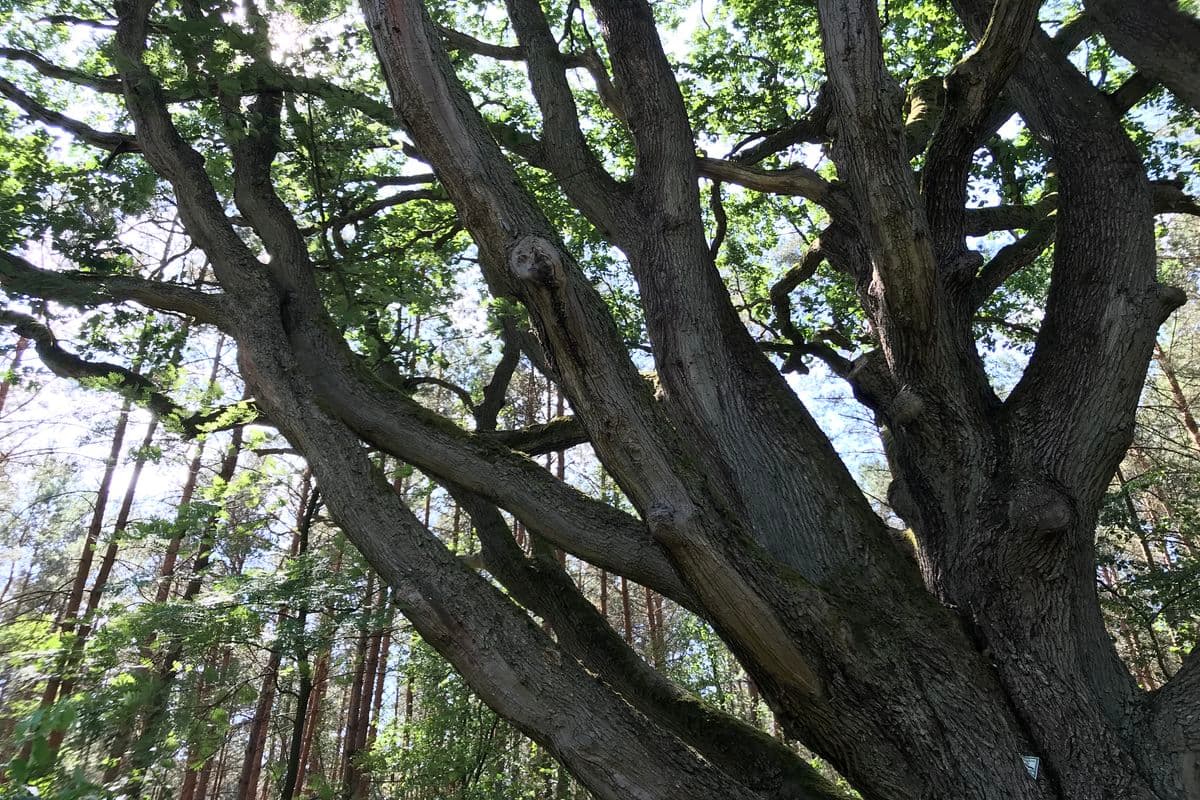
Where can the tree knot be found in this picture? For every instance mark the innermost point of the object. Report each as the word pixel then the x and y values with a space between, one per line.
pixel 1040 508
pixel 905 407
pixel 535 259
pixel 667 524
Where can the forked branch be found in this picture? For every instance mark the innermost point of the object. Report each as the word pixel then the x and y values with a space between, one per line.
pixel 972 89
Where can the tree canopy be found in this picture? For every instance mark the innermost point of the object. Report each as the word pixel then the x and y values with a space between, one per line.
pixel 419 223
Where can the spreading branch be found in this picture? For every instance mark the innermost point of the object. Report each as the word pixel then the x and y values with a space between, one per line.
pixel 797 180
pixel 755 759
pixel 588 60
pixel 1168 197
pixel 1131 92
pixel 872 161
pixel 495 393
pixel 126 382
pixel 263 77
pixel 1011 259
pixel 812 128
pixel 521 253
pixel 514 666
pixel 374 207
pixel 781 291
pixel 110 85
pixel 781 305
pixel 87 290
pixel 564 147
pixel 113 141
pixel 554 436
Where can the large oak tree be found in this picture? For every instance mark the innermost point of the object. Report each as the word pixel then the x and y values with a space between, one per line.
pixel 915 677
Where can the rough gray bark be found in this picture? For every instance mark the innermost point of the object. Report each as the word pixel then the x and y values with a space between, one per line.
pixel 1161 39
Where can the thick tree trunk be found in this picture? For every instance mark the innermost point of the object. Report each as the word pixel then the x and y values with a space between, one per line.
pixel 929 683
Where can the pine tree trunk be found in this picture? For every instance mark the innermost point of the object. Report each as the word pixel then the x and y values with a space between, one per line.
pixel 218 775
pixel 626 613
pixel 271 755
pixel 380 680
pixel 304 518
pixel 100 582
pixel 166 572
pixel 68 618
pixel 308 751
pixel 195 780
pixel 655 634
pixel 154 711
pixel 604 593
pixel 295 749
pixel 365 658
pixel 357 788
pixel 247 788
pixel 6 384
pixel 312 725
pixel 1182 406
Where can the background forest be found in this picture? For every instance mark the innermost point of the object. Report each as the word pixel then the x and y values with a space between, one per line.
pixel 179 617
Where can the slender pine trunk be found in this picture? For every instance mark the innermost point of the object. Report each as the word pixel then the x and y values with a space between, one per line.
pixel 1182 406
pixel 100 582
pixel 307 511
pixel 166 571
pixel 68 618
pixel 141 753
pixel 655 632
pixel 359 701
pixel 252 763
pixel 10 376
pixel 626 612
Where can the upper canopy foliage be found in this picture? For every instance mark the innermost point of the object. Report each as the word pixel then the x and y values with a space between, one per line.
pixel 385 236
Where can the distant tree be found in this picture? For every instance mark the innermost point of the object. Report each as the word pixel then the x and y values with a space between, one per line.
pixel 1149 540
